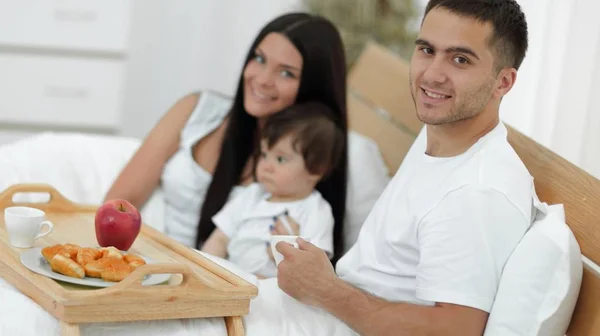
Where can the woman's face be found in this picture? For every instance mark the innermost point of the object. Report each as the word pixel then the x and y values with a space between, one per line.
pixel 272 76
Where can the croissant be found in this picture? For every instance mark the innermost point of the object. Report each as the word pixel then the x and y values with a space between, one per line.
pixel 87 254
pixel 111 252
pixel 72 250
pixel 134 261
pixel 116 272
pixel 95 268
pixel 67 266
pixel 49 252
pixel 107 263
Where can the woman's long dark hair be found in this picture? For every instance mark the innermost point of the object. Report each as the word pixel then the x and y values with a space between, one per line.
pixel 323 79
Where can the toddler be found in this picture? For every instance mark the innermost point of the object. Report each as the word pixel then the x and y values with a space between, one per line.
pixel 298 147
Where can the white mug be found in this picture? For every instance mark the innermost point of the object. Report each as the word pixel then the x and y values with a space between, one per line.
pixel 24 225
pixel 292 240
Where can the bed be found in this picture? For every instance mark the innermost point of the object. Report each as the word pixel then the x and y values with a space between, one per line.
pixel 380 108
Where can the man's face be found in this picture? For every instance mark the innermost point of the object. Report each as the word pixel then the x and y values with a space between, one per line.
pixel 452 75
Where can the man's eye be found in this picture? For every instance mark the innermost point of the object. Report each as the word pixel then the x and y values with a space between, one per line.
pixel 427 50
pixel 461 60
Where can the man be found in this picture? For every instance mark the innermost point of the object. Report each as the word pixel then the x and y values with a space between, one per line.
pixel 429 257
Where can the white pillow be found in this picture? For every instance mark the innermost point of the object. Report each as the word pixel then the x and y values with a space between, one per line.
pixel 540 283
pixel 367 178
pixel 80 166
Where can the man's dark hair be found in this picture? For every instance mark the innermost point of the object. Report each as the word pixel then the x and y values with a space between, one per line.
pixel 508 21
pixel 314 134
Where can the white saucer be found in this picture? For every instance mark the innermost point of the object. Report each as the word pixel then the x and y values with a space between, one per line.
pixel 33 260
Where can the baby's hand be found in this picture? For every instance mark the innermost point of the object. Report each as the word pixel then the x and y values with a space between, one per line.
pixel 278 228
pixel 270 252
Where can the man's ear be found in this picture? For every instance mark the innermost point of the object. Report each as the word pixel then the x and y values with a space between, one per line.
pixel 505 81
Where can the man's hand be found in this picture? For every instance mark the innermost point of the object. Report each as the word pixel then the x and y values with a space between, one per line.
pixel 278 228
pixel 305 273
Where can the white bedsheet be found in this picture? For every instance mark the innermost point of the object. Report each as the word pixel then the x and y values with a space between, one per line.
pixel 82 167
pixel 272 312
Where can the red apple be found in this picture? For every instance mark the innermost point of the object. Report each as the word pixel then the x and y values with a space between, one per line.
pixel 118 224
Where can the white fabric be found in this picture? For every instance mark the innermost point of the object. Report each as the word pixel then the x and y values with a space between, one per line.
pixel 185 183
pixel 272 313
pixel 246 219
pixel 367 178
pixel 82 167
pixel 444 227
pixel 540 283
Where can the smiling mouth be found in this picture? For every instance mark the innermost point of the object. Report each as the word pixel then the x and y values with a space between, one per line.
pixel 434 95
pixel 261 96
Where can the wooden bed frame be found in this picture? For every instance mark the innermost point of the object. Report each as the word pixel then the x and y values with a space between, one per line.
pixel 381 107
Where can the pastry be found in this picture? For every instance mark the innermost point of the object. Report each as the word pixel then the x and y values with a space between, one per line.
pixel 116 272
pixel 72 250
pixel 111 252
pixel 95 268
pixel 67 266
pixel 49 252
pixel 107 263
pixel 87 254
pixel 134 261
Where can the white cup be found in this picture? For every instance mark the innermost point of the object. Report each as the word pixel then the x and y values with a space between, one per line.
pixel 24 225
pixel 285 238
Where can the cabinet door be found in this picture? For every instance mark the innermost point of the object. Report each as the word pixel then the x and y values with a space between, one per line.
pixel 100 26
pixel 60 91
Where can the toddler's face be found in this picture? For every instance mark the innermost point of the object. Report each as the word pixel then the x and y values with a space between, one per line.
pixel 282 171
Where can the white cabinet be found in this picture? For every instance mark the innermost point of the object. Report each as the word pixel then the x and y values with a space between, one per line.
pixel 62 65
pixel 44 90
pixel 65 24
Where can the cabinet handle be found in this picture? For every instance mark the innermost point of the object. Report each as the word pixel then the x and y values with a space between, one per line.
pixel 74 15
pixel 55 91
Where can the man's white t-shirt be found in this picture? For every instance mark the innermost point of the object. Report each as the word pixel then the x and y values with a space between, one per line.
pixel 246 220
pixel 444 227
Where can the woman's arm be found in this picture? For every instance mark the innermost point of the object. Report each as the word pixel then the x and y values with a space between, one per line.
pixel 141 175
pixel 216 244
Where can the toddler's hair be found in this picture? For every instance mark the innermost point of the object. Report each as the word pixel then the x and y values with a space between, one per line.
pixel 314 134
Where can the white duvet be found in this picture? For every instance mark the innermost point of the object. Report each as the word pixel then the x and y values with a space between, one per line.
pixel 272 312
pixel 82 167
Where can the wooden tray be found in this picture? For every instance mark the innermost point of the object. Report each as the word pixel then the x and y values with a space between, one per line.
pixel 197 288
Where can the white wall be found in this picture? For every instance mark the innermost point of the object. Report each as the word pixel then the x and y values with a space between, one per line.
pixel 556 104
pixel 161 50
pixel 157 51
pixel 554 100
pixel 182 46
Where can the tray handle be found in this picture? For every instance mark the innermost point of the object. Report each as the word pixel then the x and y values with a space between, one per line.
pixel 134 280
pixel 57 201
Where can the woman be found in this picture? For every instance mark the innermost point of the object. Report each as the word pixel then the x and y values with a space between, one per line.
pixel 200 151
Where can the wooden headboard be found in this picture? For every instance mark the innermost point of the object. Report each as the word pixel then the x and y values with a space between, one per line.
pixel 381 107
